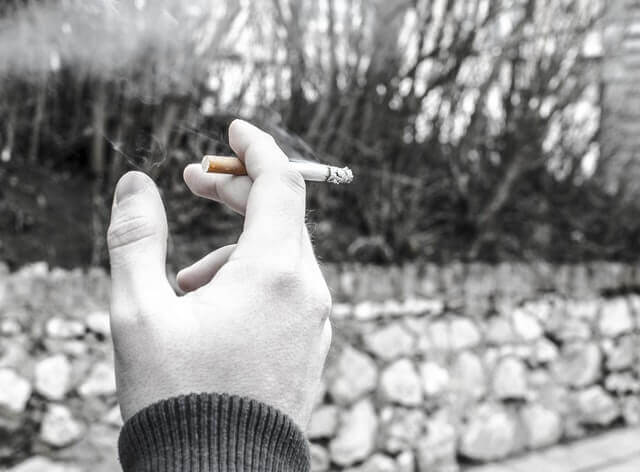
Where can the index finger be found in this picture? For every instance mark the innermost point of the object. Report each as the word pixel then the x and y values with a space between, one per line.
pixel 274 218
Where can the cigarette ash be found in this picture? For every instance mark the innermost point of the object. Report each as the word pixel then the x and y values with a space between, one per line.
pixel 339 175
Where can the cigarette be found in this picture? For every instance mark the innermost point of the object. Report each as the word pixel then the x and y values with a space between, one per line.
pixel 309 170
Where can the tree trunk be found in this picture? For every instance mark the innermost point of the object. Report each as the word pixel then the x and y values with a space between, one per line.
pixel 99 115
pixel 34 146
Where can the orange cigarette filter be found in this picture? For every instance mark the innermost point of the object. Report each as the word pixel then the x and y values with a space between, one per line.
pixel 223 165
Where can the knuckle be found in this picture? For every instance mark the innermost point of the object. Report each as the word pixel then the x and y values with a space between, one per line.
pixel 283 279
pixel 129 230
pixel 316 297
pixel 288 282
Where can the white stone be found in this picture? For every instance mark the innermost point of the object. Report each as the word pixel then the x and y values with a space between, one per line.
pixel 622 382
pixel 619 353
pixel 393 308
pixel 422 306
pixel 554 397
pixel 579 365
pixel 43 464
pixel 436 450
pixel 10 327
pixel 75 348
pixel 615 318
pixel 14 355
pixel 33 270
pixel 3 285
pixel 510 379
pixel 544 351
pixel 113 417
pixel 463 334
pixel 595 406
pixel 101 381
pixel 61 328
pixel 319 458
pixel 324 422
pixel 14 391
pixel 631 410
pixel 98 322
pixel 490 434
pixel 439 335
pixel 367 311
pixel 376 463
pixel 491 356
pixel 499 331
pixel 59 428
pixel 348 283
pixel 400 383
pixel 424 345
pixel 542 425
pixel 435 378
pixel 341 311
pixel 52 377
pixel 526 326
pixel 401 427
pixel 356 435
pixel 567 329
pixel 429 284
pixel 541 308
pixel 405 462
pixel 354 375
pixel 634 302
pixel 416 325
pixel 468 375
pixel 390 342
pixel 582 309
pixel 522 351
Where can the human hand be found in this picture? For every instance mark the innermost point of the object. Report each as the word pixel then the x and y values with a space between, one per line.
pixel 254 321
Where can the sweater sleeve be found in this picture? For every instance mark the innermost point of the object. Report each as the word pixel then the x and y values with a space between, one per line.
pixel 212 432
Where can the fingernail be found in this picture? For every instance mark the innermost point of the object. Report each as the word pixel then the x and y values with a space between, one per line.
pixel 242 126
pixel 238 122
pixel 130 184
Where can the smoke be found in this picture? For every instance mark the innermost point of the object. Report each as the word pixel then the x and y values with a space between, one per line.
pixel 107 38
pixel 143 50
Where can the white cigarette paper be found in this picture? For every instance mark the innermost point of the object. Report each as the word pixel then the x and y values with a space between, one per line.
pixel 311 171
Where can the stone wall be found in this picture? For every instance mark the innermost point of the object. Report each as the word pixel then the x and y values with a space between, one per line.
pixel 431 367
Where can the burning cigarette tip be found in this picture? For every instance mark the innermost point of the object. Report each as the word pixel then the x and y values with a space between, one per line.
pixel 340 175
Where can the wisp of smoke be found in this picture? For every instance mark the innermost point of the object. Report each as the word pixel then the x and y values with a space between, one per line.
pixel 104 37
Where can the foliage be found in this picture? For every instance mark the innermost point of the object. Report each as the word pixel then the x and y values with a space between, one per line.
pixel 471 126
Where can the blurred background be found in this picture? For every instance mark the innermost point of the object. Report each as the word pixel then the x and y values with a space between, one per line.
pixel 477 130
pixel 483 262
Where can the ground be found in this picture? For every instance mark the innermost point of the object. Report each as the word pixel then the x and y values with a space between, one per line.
pixel 617 451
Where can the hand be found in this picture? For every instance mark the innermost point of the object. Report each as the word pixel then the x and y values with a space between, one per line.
pixel 254 322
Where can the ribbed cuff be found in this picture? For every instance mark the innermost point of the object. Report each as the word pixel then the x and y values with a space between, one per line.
pixel 211 432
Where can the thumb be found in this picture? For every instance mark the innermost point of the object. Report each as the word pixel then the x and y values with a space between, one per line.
pixel 137 240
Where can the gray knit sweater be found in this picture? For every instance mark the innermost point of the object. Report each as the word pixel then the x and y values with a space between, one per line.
pixel 211 432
